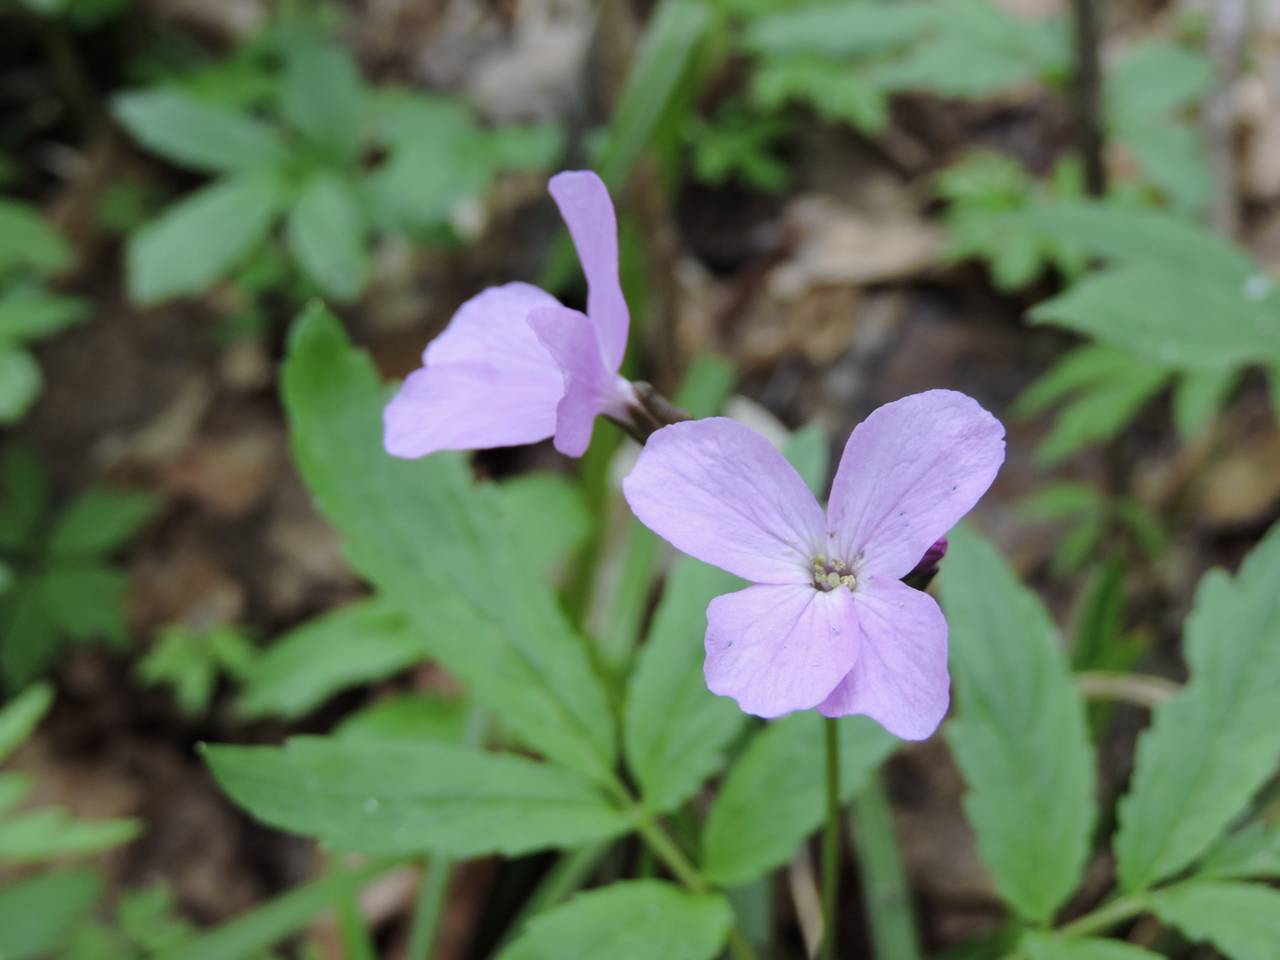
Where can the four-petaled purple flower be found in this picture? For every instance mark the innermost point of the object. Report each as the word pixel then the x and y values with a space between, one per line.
pixel 515 366
pixel 827 622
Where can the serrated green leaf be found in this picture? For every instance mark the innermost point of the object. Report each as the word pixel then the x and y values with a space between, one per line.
pixel 322 96
pixel 438 546
pixel 635 919
pixel 20 382
pixel 1161 314
pixel 326 233
pixel 1019 734
pixel 835 91
pixel 1046 947
pixel 397 798
pixel 50 832
pixel 1210 747
pixel 28 313
pixel 1138 236
pixel 1252 852
pixel 29 242
pixel 414 717
pixel 310 663
pixel 773 796
pixel 549 517
pixel 195 242
pixel 1240 919
pixel 20 716
pixel 100 521
pixel 196 133
pixel 39 913
pixel 676 730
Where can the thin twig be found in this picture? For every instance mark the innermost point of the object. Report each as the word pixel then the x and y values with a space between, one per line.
pixel 1087 94
pixel 1135 688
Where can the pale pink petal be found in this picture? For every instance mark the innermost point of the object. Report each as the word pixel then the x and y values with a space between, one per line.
pixel 587 210
pixel 589 389
pixel 720 492
pixel 492 328
pixel 776 649
pixel 488 381
pixel 908 473
pixel 900 679
pixel 467 406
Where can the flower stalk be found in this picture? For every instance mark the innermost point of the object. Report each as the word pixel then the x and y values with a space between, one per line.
pixel 831 842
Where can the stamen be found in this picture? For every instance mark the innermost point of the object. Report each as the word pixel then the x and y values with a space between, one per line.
pixel 830 574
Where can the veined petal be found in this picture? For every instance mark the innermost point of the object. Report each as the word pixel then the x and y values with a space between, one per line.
pixel 589 388
pixel 584 204
pixel 908 473
pixel 487 380
pixel 468 406
pixel 776 649
pixel 720 492
pixel 900 680
pixel 492 328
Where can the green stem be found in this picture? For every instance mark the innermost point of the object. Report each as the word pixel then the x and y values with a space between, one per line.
pixel 884 881
pixel 1107 915
pixel 426 911
pixel 831 842
pixel 683 870
pixel 356 942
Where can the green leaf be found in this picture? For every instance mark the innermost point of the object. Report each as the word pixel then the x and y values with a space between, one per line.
pixel 1082 367
pixel 28 313
pixel 395 798
pixel 845 30
pixel 20 382
pixel 773 796
pixel 182 659
pixel 676 731
pixel 1101 411
pixel 1240 919
pixel 635 919
pixel 14 788
pixel 197 134
pixel 50 832
pixel 1045 947
pixel 86 601
pixel 1252 852
pixel 1136 236
pixel 1212 746
pixel 322 96
pixel 29 636
pixel 438 546
pixel 413 717
pixel 1019 734
pixel 252 932
pixel 666 55
pixel 326 233
pixel 309 664
pixel 28 242
pixel 808 452
pixel 19 717
pixel 198 240
pixel 1159 314
pixel 39 913
pixel 25 495
pixel 837 92
pixel 1198 396
pixel 100 521
pixel 548 515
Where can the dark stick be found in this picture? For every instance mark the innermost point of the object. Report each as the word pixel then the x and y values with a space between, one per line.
pixel 1087 94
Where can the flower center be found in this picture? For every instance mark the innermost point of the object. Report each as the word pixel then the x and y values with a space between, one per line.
pixel 829 574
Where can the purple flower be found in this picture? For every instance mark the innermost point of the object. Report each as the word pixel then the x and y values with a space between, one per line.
pixel 514 365
pixel 827 622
